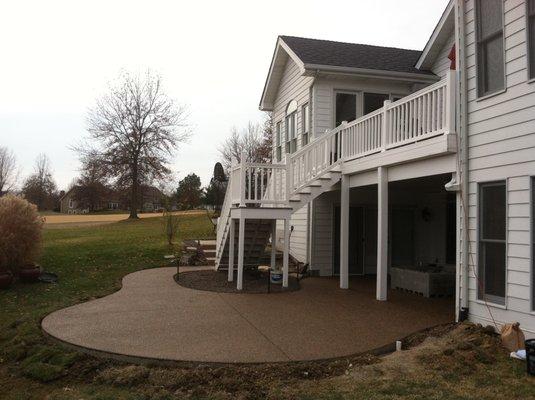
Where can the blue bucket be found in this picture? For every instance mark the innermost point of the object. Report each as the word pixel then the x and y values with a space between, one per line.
pixel 276 277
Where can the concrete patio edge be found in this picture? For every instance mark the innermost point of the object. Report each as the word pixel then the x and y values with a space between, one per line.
pixel 378 352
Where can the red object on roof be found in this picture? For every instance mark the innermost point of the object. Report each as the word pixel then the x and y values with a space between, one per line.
pixel 452 56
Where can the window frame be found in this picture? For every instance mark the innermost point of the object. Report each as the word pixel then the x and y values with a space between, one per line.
pixel 358 101
pixel 532 240
pixel 305 124
pixel 483 297
pixel 478 42
pixel 529 44
pixel 278 141
pixel 291 134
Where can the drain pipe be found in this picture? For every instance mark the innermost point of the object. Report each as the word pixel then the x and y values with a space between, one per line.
pixel 463 134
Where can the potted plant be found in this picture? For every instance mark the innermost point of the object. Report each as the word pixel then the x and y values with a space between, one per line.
pixel 21 228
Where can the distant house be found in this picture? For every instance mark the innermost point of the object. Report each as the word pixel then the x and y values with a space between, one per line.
pixel 151 199
pixel 69 205
pixel 72 202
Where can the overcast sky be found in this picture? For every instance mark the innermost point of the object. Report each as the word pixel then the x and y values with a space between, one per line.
pixel 58 56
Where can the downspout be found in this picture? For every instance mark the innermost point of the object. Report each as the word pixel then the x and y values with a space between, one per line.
pixel 464 160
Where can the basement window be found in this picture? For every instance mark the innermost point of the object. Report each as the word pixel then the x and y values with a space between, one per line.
pixel 492 242
pixel 533 243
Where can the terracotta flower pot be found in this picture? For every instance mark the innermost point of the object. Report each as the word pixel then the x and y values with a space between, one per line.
pixel 6 278
pixel 30 273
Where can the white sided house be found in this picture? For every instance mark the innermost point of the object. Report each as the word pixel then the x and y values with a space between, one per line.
pixel 413 167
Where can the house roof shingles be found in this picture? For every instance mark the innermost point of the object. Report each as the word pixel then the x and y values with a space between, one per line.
pixel 353 55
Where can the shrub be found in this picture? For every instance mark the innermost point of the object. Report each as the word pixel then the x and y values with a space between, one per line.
pixel 170 222
pixel 21 228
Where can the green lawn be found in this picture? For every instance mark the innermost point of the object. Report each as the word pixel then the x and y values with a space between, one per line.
pixel 90 262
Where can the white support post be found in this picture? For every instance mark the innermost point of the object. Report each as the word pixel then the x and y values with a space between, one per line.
pixel 289 177
pixel 450 101
pixel 382 233
pixel 243 182
pixel 241 245
pixel 344 233
pixel 231 250
pixel 273 243
pixel 286 256
pixel 385 134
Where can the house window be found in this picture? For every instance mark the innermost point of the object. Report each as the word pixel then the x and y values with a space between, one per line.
pixel 374 101
pixel 492 242
pixel 346 107
pixel 291 140
pixel 531 37
pixel 71 203
pixel 291 127
pixel 305 118
pixel 278 141
pixel 490 52
pixel 533 243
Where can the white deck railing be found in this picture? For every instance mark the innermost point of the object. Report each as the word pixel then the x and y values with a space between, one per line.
pixel 256 183
pixel 419 116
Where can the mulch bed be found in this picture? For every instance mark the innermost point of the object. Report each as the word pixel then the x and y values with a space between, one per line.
pixel 216 281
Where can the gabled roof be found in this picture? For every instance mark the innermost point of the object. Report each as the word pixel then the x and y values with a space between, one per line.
pixel 441 34
pixel 313 55
pixel 353 55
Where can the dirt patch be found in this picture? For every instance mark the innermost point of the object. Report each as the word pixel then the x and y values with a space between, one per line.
pixel 216 281
pixel 449 353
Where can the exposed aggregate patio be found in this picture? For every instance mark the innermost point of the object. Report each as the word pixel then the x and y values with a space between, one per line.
pixel 153 317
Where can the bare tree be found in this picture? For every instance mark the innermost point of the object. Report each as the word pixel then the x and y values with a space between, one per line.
pixel 40 188
pixel 8 170
pixel 90 188
pixel 133 133
pixel 255 140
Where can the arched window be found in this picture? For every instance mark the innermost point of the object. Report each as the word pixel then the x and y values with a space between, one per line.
pixel 291 127
pixel 292 107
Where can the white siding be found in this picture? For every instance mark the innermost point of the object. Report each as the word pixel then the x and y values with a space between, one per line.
pixel 322 237
pixel 502 147
pixel 442 63
pixel 293 86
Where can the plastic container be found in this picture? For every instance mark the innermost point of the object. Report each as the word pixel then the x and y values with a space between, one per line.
pixel 530 356
pixel 276 277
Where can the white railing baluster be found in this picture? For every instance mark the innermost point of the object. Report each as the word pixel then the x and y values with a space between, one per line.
pixel 428 112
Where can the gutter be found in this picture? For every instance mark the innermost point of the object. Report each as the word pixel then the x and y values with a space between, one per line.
pixel 463 134
pixel 372 73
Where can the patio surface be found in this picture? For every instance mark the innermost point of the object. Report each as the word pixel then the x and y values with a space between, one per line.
pixel 153 317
